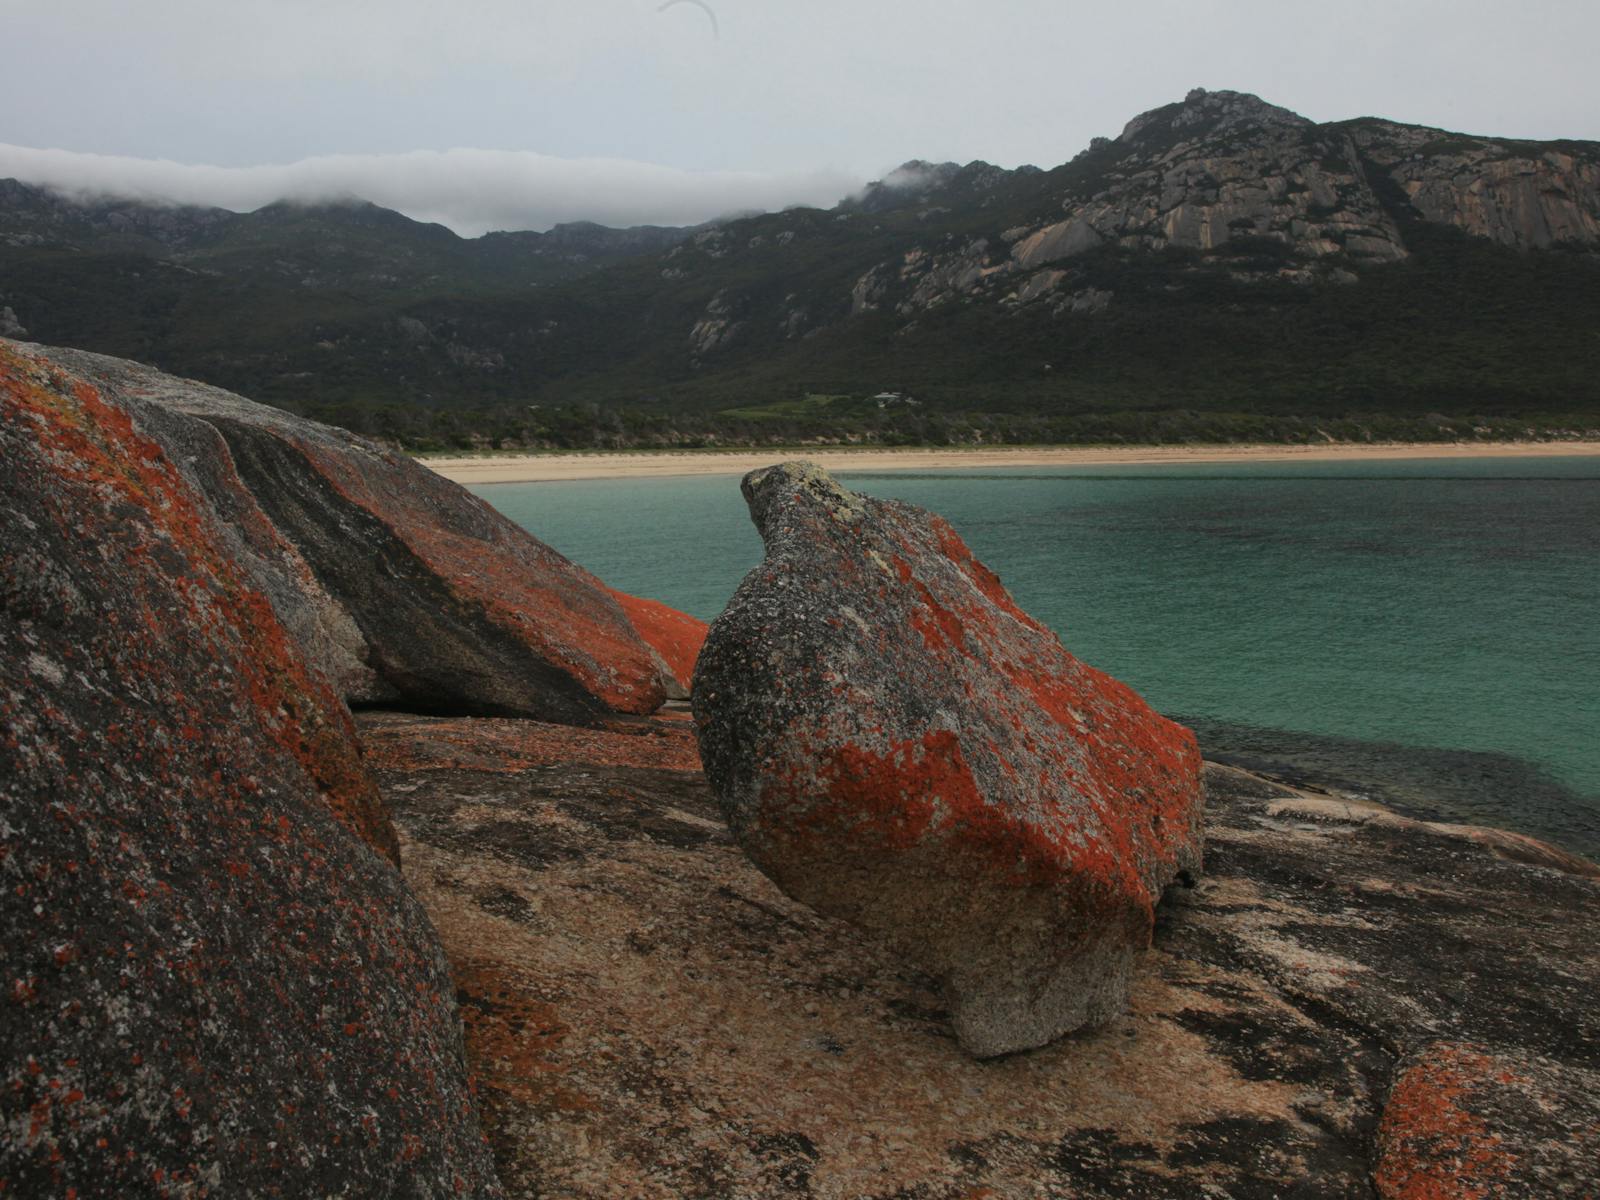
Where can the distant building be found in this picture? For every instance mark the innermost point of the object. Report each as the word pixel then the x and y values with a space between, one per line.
pixel 885 399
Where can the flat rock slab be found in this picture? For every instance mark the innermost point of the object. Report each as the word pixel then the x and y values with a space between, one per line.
pixel 896 743
pixel 649 1016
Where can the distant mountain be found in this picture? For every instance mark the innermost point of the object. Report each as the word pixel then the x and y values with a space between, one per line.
pixel 328 244
pixel 1221 258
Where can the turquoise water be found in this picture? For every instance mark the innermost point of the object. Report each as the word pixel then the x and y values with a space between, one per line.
pixel 1424 631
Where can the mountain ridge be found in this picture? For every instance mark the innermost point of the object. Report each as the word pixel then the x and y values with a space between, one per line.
pixel 1220 253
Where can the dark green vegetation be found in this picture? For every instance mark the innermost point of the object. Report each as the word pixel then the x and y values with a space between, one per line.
pixel 784 327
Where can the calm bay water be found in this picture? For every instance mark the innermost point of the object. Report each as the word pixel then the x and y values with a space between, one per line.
pixel 1427 632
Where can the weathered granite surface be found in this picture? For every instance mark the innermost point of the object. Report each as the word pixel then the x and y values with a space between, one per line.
pixel 648 1016
pixel 896 743
pixel 328 637
pixel 213 980
pixel 402 585
pixel 1444 1130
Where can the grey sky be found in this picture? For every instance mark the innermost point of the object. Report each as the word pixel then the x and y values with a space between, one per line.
pixel 795 101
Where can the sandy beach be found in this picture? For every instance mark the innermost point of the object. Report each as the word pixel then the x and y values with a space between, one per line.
pixel 549 468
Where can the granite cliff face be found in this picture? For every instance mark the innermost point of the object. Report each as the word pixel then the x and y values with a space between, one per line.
pixel 1521 194
pixel 1221 167
pixel 1225 172
pixel 215 980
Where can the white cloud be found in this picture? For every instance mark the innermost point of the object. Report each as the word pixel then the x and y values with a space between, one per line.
pixel 471 191
pixel 836 83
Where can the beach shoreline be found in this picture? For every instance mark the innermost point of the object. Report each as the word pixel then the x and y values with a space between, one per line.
pixel 558 467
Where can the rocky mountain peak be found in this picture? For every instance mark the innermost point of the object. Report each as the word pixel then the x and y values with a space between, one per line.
pixel 1202 111
pixel 918 182
pixel 908 183
pixel 918 174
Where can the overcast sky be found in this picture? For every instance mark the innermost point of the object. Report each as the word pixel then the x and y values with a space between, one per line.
pixel 520 113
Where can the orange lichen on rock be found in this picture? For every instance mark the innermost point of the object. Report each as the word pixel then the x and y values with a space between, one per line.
pixel 985 580
pixel 75 425
pixel 1431 1145
pixel 675 636
pixel 885 800
pixel 920 790
pixel 512 1042
pixel 526 590
pixel 202 926
pixel 411 588
pixel 895 742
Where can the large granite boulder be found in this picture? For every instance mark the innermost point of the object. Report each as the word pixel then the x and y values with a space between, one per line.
pixel 403 587
pixel 896 743
pixel 215 982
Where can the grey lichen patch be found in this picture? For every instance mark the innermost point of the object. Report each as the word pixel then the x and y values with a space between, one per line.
pixel 772 491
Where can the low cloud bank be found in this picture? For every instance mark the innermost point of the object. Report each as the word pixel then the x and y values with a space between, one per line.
pixel 471 191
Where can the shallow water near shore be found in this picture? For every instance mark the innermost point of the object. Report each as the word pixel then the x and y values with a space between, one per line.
pixel 1426 631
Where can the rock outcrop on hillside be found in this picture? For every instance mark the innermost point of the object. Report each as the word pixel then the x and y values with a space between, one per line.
pixel 403 587
pixel 895 743
pixel 215 980
pixel 1220 167
pixel 1225 171
pixel 1528 195
pixel 648 1015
